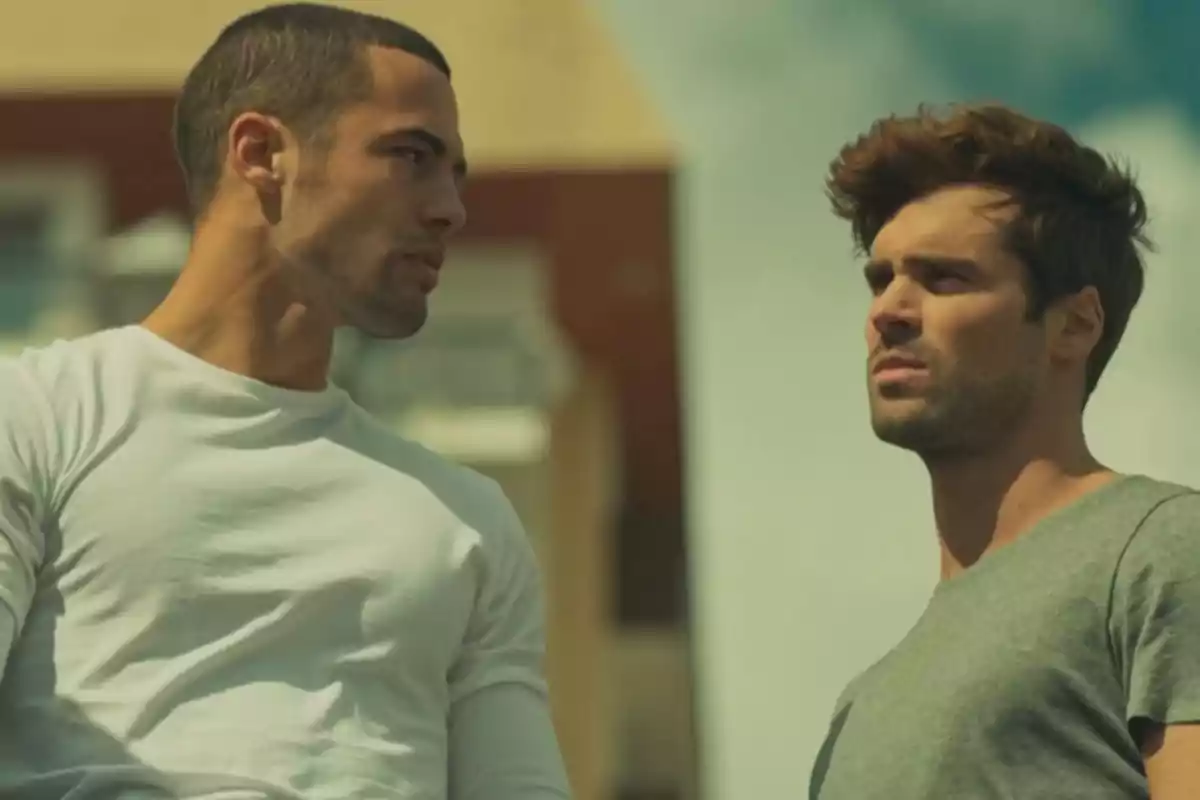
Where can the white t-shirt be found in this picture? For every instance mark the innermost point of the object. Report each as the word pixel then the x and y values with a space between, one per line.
pixel 215 588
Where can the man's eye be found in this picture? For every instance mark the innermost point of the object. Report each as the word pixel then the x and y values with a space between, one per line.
pixel 413 155
pixel 947 281
pixel 878 282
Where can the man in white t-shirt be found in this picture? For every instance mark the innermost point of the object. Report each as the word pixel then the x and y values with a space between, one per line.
pixel 219 578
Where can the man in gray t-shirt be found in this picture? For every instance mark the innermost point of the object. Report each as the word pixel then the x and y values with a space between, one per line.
pixel 1022 676
pixel 1059 656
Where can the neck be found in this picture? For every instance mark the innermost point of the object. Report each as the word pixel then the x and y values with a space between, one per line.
pixel 232 307
pixel 984 501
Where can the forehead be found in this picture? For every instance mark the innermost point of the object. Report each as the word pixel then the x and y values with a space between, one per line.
pixel 958 221
pixel 407 92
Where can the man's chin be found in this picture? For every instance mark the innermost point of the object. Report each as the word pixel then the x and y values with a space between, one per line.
pixel 897 436
pixel 393 326
pixel 394 334
pixel 932 438
pixel 915 430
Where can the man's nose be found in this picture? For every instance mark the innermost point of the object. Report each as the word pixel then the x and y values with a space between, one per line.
pixel 446 211
pixel 896 313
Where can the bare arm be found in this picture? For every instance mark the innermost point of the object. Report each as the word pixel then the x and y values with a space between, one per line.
pixel 1172 756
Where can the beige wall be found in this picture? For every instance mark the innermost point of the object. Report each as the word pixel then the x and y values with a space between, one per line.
pixel 541 82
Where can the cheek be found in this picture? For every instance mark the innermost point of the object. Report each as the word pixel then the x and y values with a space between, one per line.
pixel 350 218
pixel 871 335
pixel 990 345
pixel 349 188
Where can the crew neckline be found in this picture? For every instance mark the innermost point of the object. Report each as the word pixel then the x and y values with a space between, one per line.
pixel 327 397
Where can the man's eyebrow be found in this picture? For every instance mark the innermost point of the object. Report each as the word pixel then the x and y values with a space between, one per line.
pixel 942 262
pixel 877 265
pixel 436 144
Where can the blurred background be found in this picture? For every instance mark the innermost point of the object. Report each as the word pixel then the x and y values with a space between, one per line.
pixel 650 331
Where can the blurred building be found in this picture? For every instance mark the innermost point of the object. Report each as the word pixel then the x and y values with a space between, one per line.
pixel 551 360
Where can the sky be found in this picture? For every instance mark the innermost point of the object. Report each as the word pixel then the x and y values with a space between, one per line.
pixel 810 542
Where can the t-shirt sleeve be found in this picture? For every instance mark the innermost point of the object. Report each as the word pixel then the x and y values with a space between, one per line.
pixel 24 485
pixel 1155 620
pixel 502 739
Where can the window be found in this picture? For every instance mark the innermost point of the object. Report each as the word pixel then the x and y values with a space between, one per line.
pixel 51 225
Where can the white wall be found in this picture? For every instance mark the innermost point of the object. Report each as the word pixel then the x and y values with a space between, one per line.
pixel 812 545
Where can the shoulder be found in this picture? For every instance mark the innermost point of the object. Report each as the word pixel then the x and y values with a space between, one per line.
pixel 1180 508
pixel 65 369
pixel 1154 622
pixel 50 394
pixel 26 420
pixel 1169 528
pixel 31 436
pixel 1163 550
pixel 32 387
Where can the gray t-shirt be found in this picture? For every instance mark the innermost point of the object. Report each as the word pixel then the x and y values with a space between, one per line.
pixel 1024 675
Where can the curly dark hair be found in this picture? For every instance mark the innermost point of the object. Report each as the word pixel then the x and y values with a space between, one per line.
pixel 1079 217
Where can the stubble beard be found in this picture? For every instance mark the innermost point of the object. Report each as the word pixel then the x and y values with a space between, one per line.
pixel 952 420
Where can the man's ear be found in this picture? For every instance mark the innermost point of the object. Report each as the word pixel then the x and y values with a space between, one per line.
pixel 1074 325
pixel 255 154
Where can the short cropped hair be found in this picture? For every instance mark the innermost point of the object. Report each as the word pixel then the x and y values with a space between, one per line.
pixel 299 62
pixel 1079 219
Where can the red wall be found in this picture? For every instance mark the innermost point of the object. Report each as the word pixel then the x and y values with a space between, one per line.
pixel 608 237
